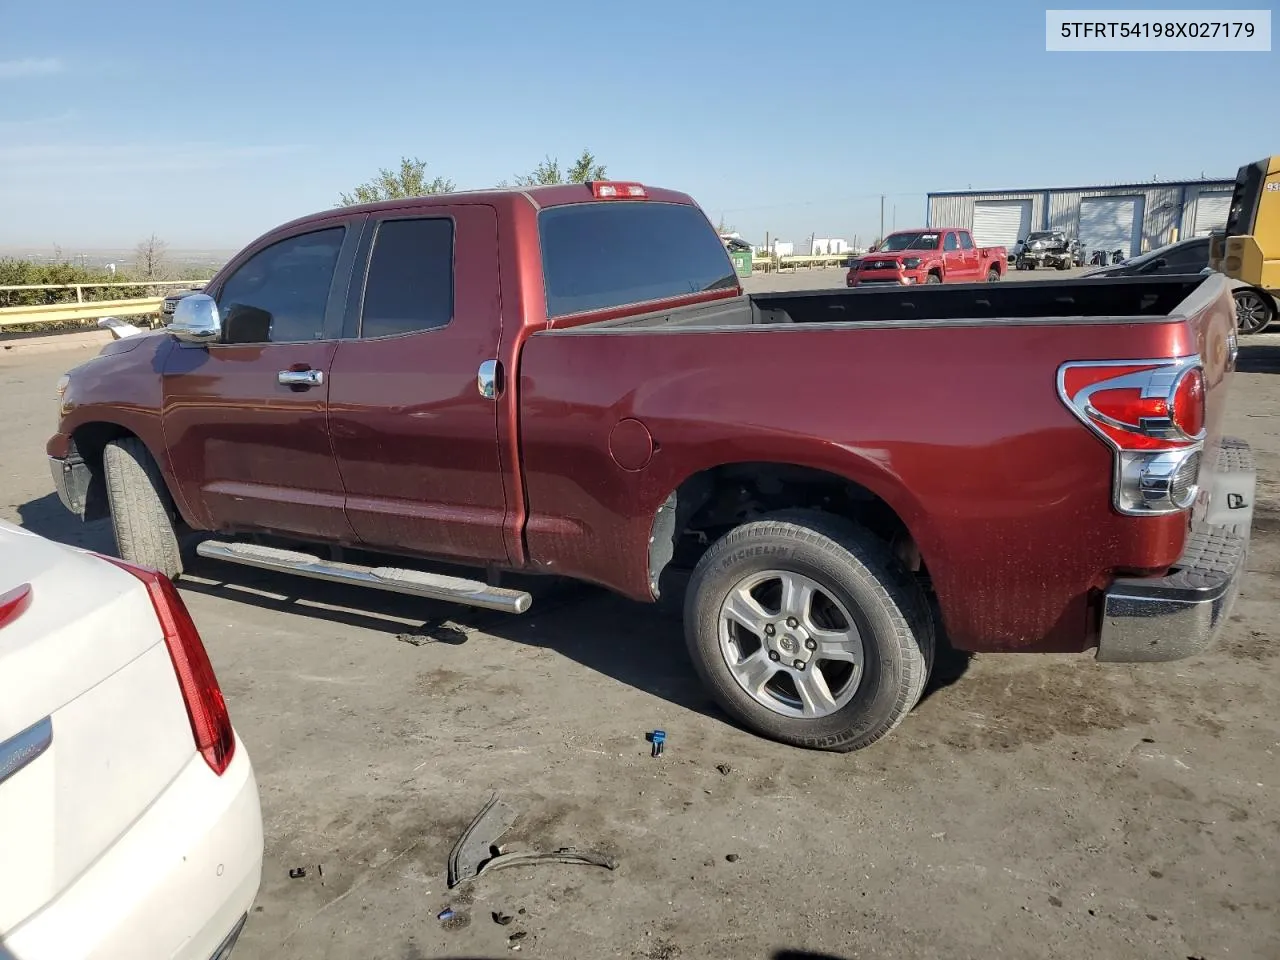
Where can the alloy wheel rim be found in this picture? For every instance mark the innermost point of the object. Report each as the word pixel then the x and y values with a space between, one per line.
pixel 790 645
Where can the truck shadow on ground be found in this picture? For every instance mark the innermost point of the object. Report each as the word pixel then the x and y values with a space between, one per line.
pixel 633 643
pixel 1258 358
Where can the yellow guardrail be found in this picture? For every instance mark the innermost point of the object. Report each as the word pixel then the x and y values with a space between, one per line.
pixel 93 310
pixel 83 309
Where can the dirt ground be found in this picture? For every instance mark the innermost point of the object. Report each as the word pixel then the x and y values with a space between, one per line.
pixel 1029 807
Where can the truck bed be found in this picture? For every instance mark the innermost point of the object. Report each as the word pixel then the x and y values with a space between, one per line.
pixel 942 403
pixel 1083 301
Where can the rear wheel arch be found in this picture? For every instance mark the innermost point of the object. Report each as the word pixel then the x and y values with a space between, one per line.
pixel 710 502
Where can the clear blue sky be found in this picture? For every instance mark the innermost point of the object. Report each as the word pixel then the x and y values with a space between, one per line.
pixel 209 123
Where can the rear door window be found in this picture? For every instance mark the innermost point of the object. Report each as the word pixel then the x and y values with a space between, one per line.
pixel 966 242
pixel 618 253
pixel 409 287
pixel 950 242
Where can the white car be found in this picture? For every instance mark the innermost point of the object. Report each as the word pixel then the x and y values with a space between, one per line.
pixel 129 818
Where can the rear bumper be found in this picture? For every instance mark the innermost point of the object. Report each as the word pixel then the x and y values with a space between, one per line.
pixel 1178 615
pixel 177 885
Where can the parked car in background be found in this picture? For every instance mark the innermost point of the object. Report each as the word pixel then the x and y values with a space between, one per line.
pixel 1255 308
pixel 570 380
pixel 945 255
pixel 1049 248
pixel 130 827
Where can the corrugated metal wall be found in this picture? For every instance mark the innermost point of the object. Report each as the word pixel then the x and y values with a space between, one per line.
pixel 1161 209
pixel 1165 206
pixel 957 210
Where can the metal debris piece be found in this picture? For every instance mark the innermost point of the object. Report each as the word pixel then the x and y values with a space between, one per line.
pixel 502 919
pixel 724 769
pixel 476 844
pixel 445 914
pixel 732 857
pixel 297 873
pixel 563 855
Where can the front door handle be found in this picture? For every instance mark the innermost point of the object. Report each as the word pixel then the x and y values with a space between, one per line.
pixel 300 378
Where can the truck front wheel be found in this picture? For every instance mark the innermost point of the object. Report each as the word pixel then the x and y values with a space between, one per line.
pixel 141 509
pixel 933 278
pixel 806 629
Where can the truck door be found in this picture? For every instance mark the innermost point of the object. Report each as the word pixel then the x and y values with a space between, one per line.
pixel 972 259
pixel 246 419
pixel 953 258
pixel 416 441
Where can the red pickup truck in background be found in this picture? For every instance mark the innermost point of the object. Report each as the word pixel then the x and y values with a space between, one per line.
pixel 569 380
pixel 947 255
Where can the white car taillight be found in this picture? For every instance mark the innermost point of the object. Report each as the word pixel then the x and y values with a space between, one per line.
pixel 206 708
pixel 1152 414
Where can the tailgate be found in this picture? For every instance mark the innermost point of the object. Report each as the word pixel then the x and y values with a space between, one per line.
pixel 92 722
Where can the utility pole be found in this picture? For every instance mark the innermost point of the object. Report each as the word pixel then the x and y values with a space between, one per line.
pixel 895 216
pixel 882 216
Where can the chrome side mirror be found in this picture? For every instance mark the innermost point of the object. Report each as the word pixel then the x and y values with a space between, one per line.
pixel 196 320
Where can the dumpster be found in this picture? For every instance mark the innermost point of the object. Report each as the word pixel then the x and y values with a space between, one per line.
pixel 741 262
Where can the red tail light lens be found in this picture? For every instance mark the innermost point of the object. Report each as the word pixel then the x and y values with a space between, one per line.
pixel 14 603
pixel 1143 405
pixel 206 708
pixel 1188 413
pixel 1152 413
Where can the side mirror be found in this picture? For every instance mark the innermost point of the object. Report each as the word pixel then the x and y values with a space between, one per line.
pixel 196 320
pixel 872 249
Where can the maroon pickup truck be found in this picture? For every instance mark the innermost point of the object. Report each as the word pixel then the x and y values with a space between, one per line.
pixel 569 380
pixel 946 255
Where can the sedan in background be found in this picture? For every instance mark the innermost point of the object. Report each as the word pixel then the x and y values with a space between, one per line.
pixel 129 818
pixel 1255 309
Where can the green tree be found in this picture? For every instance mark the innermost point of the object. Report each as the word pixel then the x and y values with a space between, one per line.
pixel 583 170
pixel 409 181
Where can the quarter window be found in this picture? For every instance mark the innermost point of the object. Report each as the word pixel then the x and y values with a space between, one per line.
pixel 410 282
pixel 279 294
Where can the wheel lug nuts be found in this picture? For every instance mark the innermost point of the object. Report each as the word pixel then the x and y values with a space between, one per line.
pixel 792 622
pixel 768 630
pixel 799 664
pixel 811 645
pixel 773 655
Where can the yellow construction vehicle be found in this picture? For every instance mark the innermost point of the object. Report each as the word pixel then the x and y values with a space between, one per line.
pixel 1249 249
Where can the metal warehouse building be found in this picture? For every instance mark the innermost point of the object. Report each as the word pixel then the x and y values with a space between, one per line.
pixel 1130 217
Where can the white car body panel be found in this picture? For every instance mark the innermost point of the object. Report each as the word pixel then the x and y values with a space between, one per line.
pixel 117 840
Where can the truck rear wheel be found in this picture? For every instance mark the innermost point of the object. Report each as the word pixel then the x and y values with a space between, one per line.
pixel 806 629
pixel 141 509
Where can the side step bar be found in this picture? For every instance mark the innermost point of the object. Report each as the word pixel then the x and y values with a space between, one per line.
pixel 416 583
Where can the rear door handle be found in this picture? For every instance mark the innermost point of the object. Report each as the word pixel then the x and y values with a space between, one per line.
pixel 300 378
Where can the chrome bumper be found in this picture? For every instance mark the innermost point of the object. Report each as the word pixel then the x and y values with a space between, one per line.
pixel 1178 615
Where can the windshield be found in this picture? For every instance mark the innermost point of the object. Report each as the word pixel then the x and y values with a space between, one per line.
pixel 1042 235
pixel 915 240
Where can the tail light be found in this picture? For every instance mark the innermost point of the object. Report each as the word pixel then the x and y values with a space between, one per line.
pixel 1152 414
pixel 616 190
pixel 14 603
pixel 207 710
